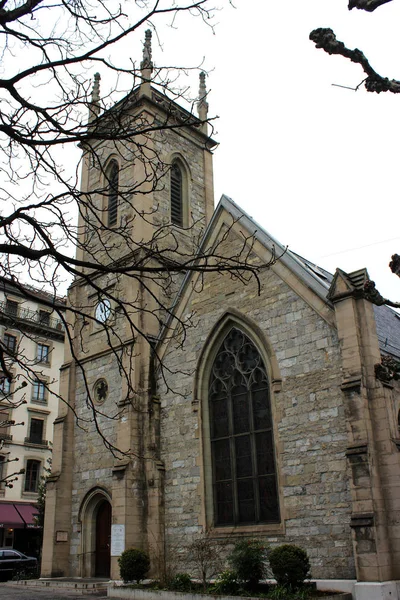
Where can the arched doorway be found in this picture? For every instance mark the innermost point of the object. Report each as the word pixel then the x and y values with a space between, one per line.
pixel 95 518
pixel 103 540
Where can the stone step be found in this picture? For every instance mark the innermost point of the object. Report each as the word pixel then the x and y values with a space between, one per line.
pixel 79 586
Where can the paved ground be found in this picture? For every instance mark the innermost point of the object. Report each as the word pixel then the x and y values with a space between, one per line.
pixel 9 592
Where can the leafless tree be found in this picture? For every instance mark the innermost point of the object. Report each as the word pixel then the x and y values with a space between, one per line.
pixel 49 54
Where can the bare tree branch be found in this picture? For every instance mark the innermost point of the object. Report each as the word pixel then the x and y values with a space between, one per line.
pixel 54 101
pixel 368 5
pixel 326 39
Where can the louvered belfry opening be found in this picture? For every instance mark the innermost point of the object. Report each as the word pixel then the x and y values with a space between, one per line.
pixel 176 195
pixel 242 446
pixel 112 192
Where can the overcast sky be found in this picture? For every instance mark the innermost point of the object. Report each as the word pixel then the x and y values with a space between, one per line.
pixel 316 165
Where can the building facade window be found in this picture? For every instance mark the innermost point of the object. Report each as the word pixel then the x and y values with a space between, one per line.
pixel 43 353
pixel 5 385
pixel 39 392
pixel 241 436
pixel 36 428
pixel 11 308
pixel 5 423
pixel 176 195
pixel 44 317
pixel 10 342
pixel 32 473
pixel 2 472
pixel 112 192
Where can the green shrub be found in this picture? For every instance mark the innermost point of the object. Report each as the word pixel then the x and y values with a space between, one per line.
pixel 248 561
pixel 290 565
pixel 226 583
pixel 205 555
pixel 181 582
pixel 134 565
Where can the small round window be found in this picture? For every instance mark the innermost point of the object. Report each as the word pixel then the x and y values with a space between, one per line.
pixel 100 391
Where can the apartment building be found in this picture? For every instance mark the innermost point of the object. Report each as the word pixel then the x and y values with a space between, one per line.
pixel 32 343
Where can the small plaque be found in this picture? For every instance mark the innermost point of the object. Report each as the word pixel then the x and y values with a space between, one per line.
pixel 61 536
pixel 117 539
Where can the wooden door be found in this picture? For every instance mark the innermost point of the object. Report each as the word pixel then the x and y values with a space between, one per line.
pixel 103 540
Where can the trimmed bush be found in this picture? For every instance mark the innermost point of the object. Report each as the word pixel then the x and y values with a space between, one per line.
pixel 290 565
pixel 181 583
pixel 134 565
pixel 248 561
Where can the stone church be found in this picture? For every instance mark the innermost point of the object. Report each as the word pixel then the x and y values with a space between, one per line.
pixel 268 418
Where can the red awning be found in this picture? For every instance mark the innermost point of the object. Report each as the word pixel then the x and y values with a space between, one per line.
pixel 10 517
pixel 28 513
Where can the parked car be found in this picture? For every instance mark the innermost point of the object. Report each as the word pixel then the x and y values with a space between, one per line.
pixel 13 562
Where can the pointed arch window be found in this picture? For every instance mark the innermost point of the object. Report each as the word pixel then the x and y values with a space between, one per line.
pixel 112 192
pixel 176 195
pixel 241 436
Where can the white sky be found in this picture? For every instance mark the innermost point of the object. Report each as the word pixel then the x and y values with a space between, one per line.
pixel 315 165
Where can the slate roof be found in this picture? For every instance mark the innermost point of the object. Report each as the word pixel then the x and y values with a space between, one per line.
pixel 314 276
pixel 388 328
pixel 33 293
pixel 387 320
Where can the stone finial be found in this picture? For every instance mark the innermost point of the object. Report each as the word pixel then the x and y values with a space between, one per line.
pixel 202 104
pixel 96 89
pixel 94 106
pixel 202 91
pixel 146 66
pixel 146 63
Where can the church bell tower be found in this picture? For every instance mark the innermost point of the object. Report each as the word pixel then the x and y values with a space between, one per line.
pixel 146 199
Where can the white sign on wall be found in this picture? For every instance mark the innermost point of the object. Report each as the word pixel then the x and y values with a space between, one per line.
pixel 117 539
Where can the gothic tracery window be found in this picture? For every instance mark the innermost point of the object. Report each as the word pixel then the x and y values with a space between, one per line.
pixel 241 435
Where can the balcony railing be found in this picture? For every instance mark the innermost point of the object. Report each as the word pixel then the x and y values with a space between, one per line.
pixel 33 440
pixel 39 317
pixel 5 436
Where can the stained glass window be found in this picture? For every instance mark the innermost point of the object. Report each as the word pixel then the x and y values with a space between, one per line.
pixel 242 445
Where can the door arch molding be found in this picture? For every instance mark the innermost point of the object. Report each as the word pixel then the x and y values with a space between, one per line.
pixel 89 508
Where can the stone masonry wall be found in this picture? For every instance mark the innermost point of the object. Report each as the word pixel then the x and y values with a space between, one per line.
pixel 167 145
pixel 309 414
pixel 93 463
pixel 137 210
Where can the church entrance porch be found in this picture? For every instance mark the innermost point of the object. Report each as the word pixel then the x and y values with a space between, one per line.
pixel 95 517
